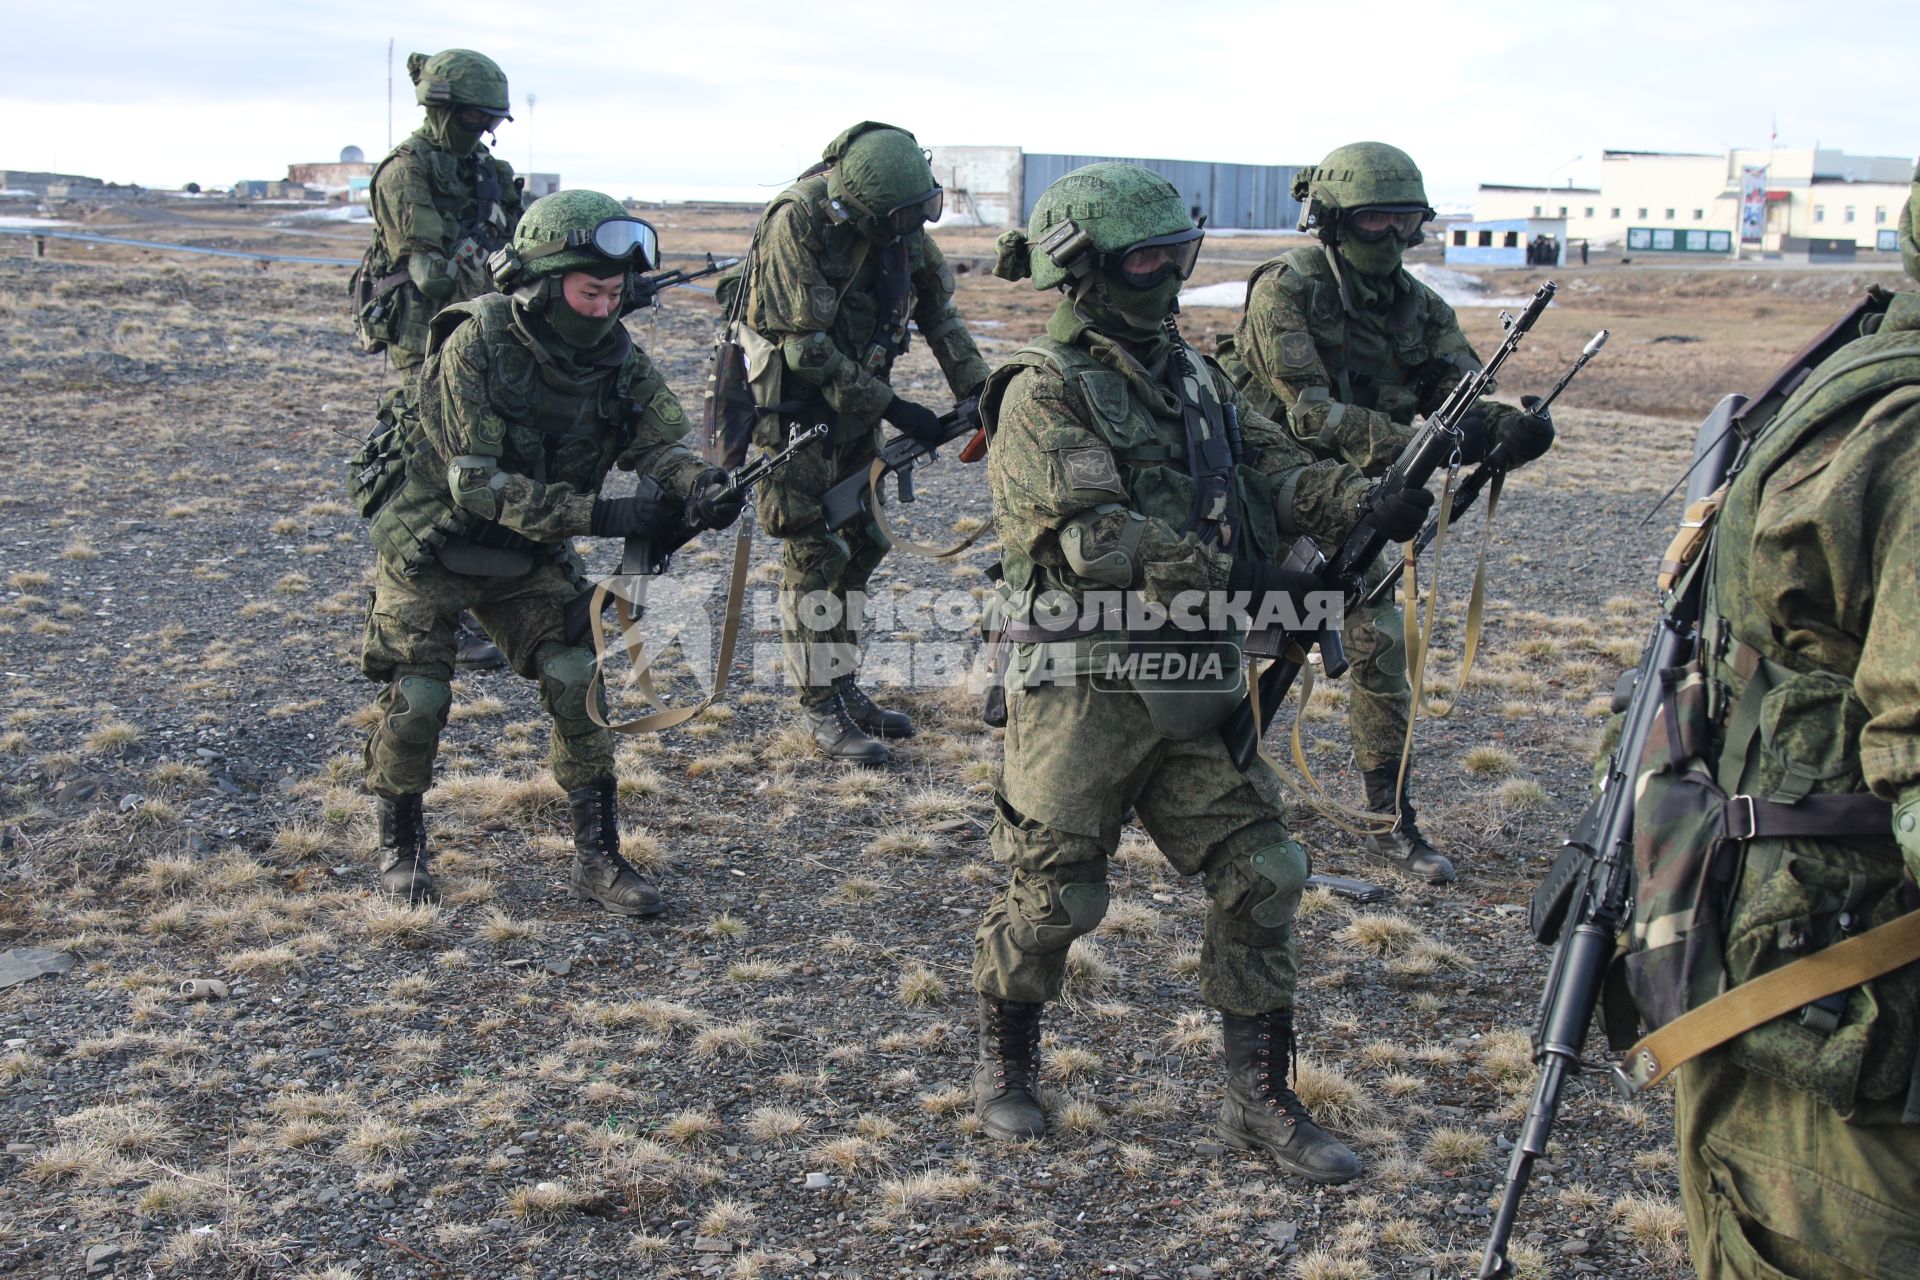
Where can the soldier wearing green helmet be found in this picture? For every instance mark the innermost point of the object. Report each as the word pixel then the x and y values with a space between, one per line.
pixel 1104 483
pixel 527 399
pixel 1345 347
pixel 840 263
pixel 1799 1140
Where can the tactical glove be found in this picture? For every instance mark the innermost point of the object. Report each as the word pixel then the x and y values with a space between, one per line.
pixel 1473 436
pixel 1399 515
pixel 1525 436
pixel 713 505
pixel 652 514
pixel 916 420
pixel 1260 579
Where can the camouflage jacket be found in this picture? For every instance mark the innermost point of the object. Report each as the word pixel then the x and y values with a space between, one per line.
pixel 1088 443
pixel 1347 385
pixel 428 217
pixel 819 291
pixel 508 444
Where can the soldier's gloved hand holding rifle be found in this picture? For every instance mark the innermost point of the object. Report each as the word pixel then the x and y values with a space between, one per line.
pixel 915 420
pixel 717 501
pixel 846 501
pixel 650 513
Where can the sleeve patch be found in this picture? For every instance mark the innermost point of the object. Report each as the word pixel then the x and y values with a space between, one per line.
pixel 823 300
pixel 1296 350
pixel 1091 467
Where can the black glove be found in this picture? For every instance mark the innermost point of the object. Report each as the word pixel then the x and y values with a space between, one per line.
pixel 916 420
pixel 1400 515
pixel 651 513
pixel 1261 579
pixel 713 505
pixel 1525 436
pixel 1473 436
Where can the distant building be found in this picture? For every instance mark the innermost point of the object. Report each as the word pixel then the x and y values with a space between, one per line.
pixel 1505 242
pixel 334 177
pixel 998 186
pixel 1661 201
pixel 540 184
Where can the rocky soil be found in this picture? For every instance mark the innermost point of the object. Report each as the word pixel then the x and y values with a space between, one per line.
pixel 769 1079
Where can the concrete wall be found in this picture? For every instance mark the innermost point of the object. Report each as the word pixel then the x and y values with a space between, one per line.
pixel 1507 239
pixel 983 185
pixel 997 186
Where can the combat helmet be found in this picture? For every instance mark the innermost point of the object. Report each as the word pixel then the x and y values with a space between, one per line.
pixel 1373 178
pixel 1108 219
pixel 881 181
pixel 571 231
pixel 456 78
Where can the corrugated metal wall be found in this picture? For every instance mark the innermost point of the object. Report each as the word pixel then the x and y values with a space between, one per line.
pixel 1231 195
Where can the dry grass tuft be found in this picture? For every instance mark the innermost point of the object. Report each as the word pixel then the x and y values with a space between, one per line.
pixel 1089 972
pixel 547 1201
pixel 921 988
pixel 1380 933
pixel 125 1128
pixel 1455 1148
pixel 112 738
pixel 775 1124
pixel 738 1040
pixel 410 924
pixel 375 1138
pixel 902 1194
pixel 1334 1098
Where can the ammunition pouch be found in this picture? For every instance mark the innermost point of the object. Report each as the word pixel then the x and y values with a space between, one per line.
pixel 378 467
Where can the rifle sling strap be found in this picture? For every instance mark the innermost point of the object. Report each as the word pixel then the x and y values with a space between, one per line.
pixel 1836 968
pixel 875 474
pixel 666 717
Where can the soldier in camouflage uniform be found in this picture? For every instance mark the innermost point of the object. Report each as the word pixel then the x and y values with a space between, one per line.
pixel 441 204
pixel 1345 347
pixel 1093 490
pixel 1800 1140
pixel 525 402
pixel 840 264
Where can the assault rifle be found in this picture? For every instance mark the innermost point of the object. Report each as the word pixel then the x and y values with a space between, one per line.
pixel 1585 901
pixel 846 501
pixel 1433 446
pixel 647 289
pixel 1496 464
pixel 646 559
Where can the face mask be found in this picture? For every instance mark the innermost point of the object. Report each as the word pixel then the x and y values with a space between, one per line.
pixel 582 333
pixel 1373 258
pixel 448 133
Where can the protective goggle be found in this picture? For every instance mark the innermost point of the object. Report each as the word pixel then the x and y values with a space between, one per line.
pixel 479 119
pixel 1148 262
pixel 908 218
pixel 1380 221
pixel 616 239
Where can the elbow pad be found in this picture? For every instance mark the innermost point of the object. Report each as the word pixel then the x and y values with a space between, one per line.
pixel 431 274
pixel 1906 829
pixel 475 481
pixel 1111 558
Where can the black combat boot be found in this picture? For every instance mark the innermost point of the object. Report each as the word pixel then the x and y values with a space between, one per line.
pixel 599 873
pixel 836 733
pixel 1262 1113
pixel 1404 846
pixel 403 849
pixel 875 720
pixel 1006 1081
pixel 472 650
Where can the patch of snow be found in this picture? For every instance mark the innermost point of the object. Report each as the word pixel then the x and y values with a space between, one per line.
pixel 1458 289
pixel 1228 293
pixel 335 213
pixel 20 220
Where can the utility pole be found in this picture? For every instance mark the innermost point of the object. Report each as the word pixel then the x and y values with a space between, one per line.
pixel 389 93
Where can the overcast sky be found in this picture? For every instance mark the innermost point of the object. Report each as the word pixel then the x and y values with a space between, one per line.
pixel 730 100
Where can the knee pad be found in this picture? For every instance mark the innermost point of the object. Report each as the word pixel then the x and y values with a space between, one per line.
pixel 1046 913
pixel 1380 655
pixel 1256 887
pixel 565 677
pixel 417 708
pixel 866 549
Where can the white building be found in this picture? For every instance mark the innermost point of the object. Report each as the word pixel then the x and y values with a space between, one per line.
pixel 1691 201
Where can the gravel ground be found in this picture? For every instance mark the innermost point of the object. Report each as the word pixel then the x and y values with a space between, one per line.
pixel 769 1079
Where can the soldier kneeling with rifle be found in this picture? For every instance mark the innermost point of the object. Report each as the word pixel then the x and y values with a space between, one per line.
pixel 528 398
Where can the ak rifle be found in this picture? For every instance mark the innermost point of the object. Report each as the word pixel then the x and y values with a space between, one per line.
pixel 1435 445
pixel 847 500
pixel 647 289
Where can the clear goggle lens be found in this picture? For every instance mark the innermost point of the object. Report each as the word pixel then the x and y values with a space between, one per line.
pixel 622 238
pixel 479 119
pixel 1377 224
pixel 1148 263
pixel 917 212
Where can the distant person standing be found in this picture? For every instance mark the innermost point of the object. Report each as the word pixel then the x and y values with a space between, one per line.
pixel 441 204
pixel 1583 253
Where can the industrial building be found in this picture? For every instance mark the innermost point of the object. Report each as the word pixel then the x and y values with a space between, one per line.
pixel 1663 201
pixel 1505 242
pixel 997 186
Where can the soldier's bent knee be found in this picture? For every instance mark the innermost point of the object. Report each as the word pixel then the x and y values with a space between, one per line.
pixel 417 708
pixel 1048 913
pixel 1257 890
pixel 565 679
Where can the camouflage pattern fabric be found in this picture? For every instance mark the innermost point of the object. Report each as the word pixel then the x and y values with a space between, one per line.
pixel 1348 385
pixel 1086 436
pixel 533 442
pixel 1794 1160
pixel 429 225
pixel 819 293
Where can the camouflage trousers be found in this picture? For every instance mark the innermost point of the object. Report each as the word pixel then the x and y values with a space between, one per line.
pixel 824 573
pixel 1777 1185
pixel 1379 697
pixel 1077 756
pixel 410 645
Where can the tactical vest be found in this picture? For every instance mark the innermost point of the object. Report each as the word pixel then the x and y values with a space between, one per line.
pixel 1386 363
pixel 1716 906
pixel 1151 451
pixel 560 429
